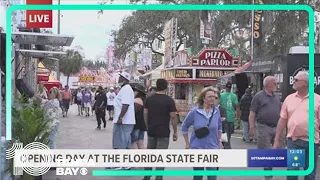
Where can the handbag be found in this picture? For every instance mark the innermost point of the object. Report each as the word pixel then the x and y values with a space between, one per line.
pixel 204 131
pixel 224 137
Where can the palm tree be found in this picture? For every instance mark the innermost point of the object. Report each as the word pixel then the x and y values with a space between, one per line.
pixel 71 63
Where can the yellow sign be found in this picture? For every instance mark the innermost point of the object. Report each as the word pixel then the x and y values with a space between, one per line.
pixel 183 73
pixel 86 78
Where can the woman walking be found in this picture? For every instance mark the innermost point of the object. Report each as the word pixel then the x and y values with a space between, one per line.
pixel 87 98
pixel 78 101
pixel 207 126
pixel 137 135
pixel 51 111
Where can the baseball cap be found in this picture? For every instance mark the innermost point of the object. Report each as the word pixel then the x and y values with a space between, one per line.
pixel 229 85
pixel 125 75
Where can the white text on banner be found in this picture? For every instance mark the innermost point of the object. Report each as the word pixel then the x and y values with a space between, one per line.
pixel 131 158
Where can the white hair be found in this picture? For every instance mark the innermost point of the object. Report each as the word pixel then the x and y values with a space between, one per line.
pixel 304 75
pixel 266 80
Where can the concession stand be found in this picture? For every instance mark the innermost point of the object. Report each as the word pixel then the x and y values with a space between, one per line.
pixel 186 83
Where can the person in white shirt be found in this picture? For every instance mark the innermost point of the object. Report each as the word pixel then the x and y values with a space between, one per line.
pixel 111 95
pixel 124 116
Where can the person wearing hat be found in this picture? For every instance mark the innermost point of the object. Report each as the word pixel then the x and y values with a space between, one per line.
pixel 137 135
pixel 229 101
pixel 111 95
pixel 124 116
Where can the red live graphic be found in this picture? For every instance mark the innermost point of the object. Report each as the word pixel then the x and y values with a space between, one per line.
pixel 39 18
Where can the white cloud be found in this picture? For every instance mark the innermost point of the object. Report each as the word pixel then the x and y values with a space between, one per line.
pixel 91 31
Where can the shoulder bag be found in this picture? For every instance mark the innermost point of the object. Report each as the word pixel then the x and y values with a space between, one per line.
pixel 204 131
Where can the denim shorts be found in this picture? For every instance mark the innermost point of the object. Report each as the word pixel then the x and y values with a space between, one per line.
pixel 121 136
pixel 137 135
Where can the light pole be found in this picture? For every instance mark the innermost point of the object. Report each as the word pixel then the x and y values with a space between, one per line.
pixel 58 62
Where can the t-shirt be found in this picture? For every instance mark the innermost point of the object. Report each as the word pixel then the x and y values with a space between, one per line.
pixel 229 100
pixel 111 96
pixel 159 108
pixel 125 96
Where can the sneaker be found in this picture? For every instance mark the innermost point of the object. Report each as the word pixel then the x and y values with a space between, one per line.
pixel 146 178
pixel 104 126
pixel 126 168
pixel 98 128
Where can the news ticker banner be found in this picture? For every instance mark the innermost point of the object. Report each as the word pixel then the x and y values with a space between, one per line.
pixel 36 158
pixel 160 158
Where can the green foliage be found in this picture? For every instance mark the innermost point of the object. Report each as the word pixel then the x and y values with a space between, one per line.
pixel 230 29
pixel 71 63
pixel 28 125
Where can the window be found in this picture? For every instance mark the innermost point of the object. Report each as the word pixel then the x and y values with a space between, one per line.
pixel 181 91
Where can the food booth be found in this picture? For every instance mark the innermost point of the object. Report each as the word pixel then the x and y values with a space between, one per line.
pixel 186 83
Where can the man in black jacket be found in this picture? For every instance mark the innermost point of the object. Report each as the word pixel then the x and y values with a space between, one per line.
pixel 100 107
pixel 245 104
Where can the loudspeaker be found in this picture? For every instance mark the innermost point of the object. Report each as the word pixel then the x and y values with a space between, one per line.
pixel 24 88
pixel 242 83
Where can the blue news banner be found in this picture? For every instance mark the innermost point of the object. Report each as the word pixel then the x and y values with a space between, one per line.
pixel 276 158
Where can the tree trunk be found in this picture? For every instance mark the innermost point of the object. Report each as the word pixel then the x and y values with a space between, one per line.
pixel 68 79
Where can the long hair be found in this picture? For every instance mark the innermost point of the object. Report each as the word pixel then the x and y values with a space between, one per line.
pixel 203 94
pixel 141 96
pixel 56 92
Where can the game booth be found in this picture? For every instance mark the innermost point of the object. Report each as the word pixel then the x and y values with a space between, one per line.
pixel 94 78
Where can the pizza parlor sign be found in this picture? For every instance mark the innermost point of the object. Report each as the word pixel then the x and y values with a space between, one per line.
pixel 214 58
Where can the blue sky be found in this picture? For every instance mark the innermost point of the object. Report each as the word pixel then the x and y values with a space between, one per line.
pixel 91 31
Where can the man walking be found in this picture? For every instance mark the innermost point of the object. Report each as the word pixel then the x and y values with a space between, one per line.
pixel 245 104
pixel 159 111
pixel 111 95
pixel 265 110
pixel 294 116
pixel 229 101
pixel 124 116
pixel 66 100
pixel 100 107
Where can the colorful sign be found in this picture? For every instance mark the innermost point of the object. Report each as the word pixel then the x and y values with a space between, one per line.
pixel 39 18
pixel 214 58
pixel 210 74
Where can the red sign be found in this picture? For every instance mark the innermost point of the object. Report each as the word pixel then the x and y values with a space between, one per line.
pixel 39 18
pixel 215 58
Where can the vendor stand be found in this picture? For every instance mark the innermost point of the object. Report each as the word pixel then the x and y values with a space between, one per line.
pixel 186 83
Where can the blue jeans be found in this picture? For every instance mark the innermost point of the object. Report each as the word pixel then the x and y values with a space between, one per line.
pixel 300 144
pixel 245 130
pixel 201 169
pixel 52 137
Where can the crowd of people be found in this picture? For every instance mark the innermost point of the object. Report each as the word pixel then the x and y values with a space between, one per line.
pixel 135 111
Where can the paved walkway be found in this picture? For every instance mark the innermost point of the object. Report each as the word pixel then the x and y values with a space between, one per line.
pixel 78 132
